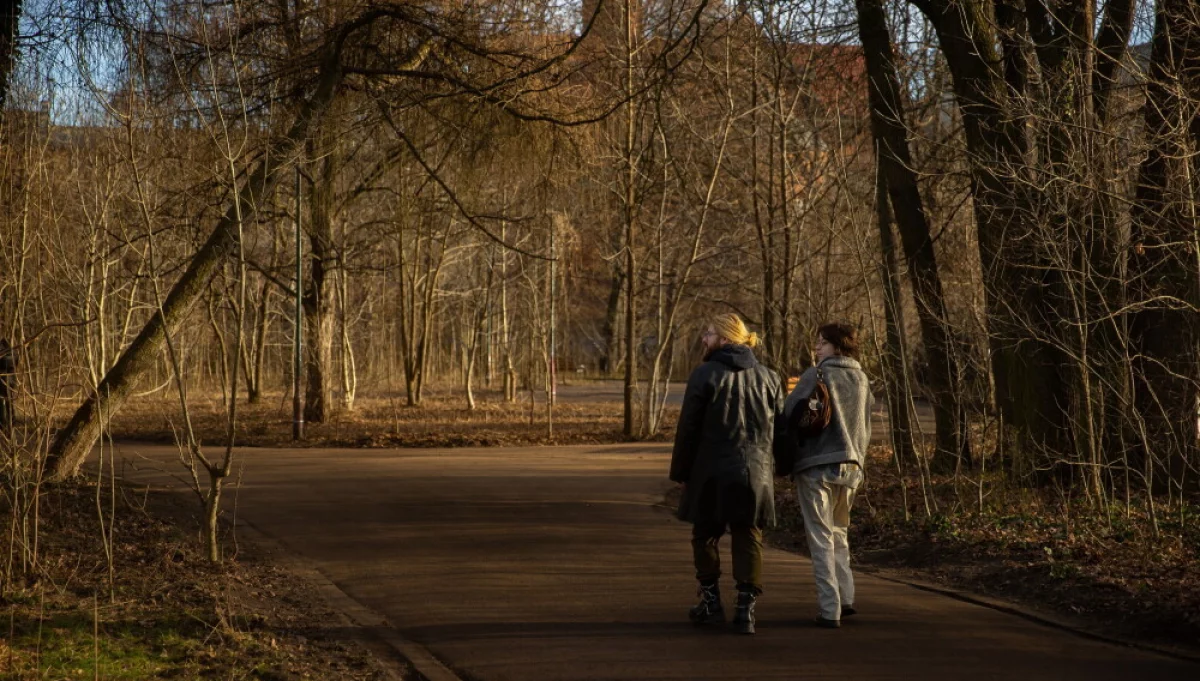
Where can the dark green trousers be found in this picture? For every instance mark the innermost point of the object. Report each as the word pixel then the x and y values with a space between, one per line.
pixel 747 554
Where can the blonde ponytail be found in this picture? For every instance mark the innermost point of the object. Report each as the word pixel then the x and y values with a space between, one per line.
pixel 732 328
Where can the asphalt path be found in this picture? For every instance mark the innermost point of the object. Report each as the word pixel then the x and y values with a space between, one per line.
pixel 557 563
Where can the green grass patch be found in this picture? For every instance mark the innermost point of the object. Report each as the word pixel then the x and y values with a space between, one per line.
pixel 72 645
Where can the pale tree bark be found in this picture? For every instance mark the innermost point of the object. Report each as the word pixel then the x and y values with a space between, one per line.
pixel 474 335
pixel 510 370
pixel 349 367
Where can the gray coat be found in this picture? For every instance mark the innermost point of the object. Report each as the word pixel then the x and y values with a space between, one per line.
pixel 848 434
pixel 723 440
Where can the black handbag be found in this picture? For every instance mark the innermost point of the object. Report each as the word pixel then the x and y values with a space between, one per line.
pixel 807 421
pixel 814 415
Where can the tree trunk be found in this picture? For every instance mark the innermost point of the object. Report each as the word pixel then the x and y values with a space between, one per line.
pixel 1165 274
pixel 478 335
pixel 510 370
pixel 75 441
pixel 349 369
pixel 222 346
pixel 470 352
pixel 258 350
pixel 630 216
pixel 10 20
pixel 319 292
pixel 899 396
pixel 1108 242
pixel 432 271
pixel 896 167
pixel 1030 389
pixel 612 324
pixel 407 311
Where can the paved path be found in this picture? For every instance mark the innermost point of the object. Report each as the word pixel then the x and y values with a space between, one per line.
pixel 542 564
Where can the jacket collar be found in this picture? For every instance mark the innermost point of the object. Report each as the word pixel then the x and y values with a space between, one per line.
pixel 736 357
pixel 840 361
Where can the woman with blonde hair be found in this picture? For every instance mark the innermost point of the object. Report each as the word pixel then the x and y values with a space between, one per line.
pixel 723 456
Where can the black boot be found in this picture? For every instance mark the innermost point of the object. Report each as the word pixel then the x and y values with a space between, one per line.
pixel 743 615
pixel 708 610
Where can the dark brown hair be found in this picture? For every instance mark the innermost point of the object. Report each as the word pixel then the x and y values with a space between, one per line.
pixel 842 336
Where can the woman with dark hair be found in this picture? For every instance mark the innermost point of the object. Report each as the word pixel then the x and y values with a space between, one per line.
pixel 723 456
pixel 829 465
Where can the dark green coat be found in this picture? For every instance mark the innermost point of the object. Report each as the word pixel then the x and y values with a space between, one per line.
pixel 723 441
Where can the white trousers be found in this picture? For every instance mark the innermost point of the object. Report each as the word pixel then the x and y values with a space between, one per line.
pixel 825 500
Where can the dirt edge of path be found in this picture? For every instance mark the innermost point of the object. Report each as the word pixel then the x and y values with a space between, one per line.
pixel 1079 627
pixel 391 649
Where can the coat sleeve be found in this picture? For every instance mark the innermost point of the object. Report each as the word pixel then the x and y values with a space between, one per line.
pixel 803 390
pixel 691 424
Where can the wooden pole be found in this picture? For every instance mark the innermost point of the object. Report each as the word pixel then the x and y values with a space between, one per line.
pixel 297 411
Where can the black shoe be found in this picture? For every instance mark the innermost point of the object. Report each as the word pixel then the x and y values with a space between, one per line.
pixel 848 610
pixel 827 624
pixel 743 615
pixel 708 610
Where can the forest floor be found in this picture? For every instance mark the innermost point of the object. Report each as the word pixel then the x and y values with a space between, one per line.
pixel 146 604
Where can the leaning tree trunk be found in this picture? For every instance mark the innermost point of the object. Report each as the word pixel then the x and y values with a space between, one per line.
pixel 896 166
pixel 75 441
